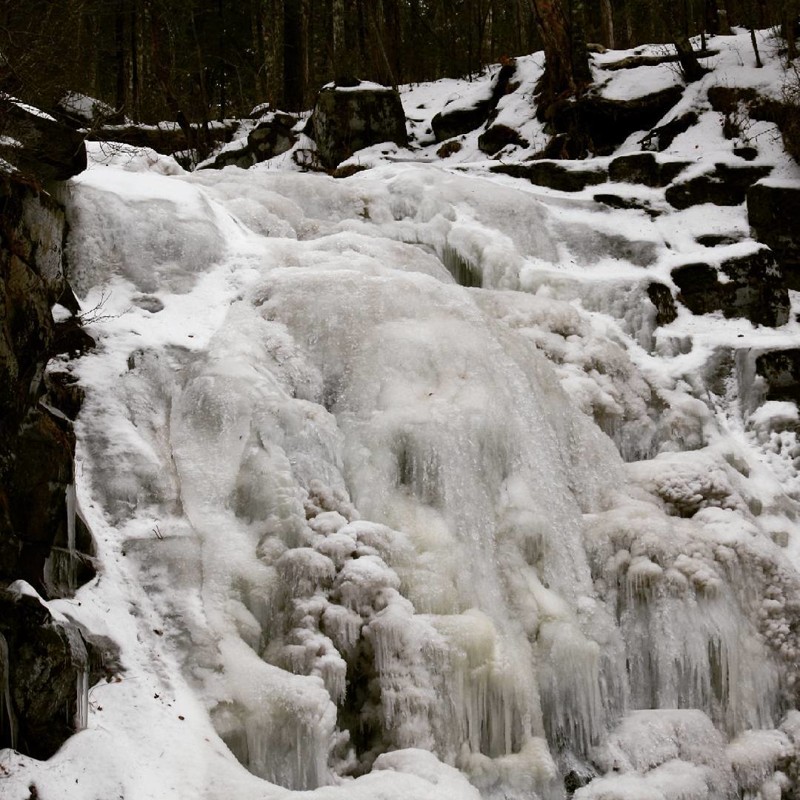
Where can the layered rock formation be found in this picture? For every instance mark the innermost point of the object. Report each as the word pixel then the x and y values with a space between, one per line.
pixel 44 660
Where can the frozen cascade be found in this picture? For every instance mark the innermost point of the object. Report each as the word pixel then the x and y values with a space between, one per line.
pixel 82 699
pixel 383 526
pixel 8 724
pixel 61 567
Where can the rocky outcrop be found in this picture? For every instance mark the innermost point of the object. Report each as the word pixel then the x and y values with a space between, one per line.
pixel 725 185
pixel 81 111
pixel 460 117
pixel 661 297
pixel 751 287
pixel 644 168
pixel 773 210
pixel 493 140
pixel 555 175
pixel 46 664
pixel 601 124
pixel 349 118
pixel 661 138
pixel 272 136
pixel 37 145
pixel 167 138
pixel 780 369
pixel 45 668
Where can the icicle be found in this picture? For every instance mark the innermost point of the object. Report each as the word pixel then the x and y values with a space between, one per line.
pixel 286 750
pixel 82 700
pixel 7 719
pixel 72 554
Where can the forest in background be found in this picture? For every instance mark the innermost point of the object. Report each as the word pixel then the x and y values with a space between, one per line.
pixel 213 59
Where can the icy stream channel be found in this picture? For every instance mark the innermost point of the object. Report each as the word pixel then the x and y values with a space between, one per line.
pixel 360 530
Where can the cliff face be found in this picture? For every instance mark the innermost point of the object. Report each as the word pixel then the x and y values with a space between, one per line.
pixel 36 444
pixel 44 662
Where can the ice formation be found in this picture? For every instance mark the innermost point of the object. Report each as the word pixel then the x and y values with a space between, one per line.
pixel 378 532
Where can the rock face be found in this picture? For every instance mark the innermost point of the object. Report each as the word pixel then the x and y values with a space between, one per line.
pixel 349 118
pixel 773 211
pixel 752 287
pixel 45 664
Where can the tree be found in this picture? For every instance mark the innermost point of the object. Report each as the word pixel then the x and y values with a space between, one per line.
pixel 676 22
pixel 566 71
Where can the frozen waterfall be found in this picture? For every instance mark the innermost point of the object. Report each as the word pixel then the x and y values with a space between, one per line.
pixel 374 526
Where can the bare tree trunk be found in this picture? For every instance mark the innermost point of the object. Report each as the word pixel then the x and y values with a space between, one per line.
pixel 121 64
pixel 134 34
pixel 789 28
pixel 257 37
pixel 565 69
pixel 607 23
pixel 340 60
pixel 724 23
pixel 677 28
pixel 293 56
pixel 754 42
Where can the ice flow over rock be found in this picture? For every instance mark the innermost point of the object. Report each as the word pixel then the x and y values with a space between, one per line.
pixel 384 551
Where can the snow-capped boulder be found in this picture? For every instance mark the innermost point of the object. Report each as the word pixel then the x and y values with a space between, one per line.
pixel 81 111
pixel 45 665
pixel 725 185
pixel 781 371
pixel 499 136
pixel 749 286
pixel 556 174
pixel 272 136
pixel 644 168
pixel 461 115
pixel 349 118
pixel 38 145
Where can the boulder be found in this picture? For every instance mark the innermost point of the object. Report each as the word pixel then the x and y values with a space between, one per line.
pixel 726 185
pixel 240 156
pixel 38 145
pixel 644 168
pixel 661 297
pixel 460 117
pixel 602 124
pixel 555 175
pixel 661 138
pixel 48 667
pixel 773 211
pixel 497 137
pixel 630 203
pixel 752 287
pixel 81 111
pixel 781 371
pixel 349 118
pixel 272 136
